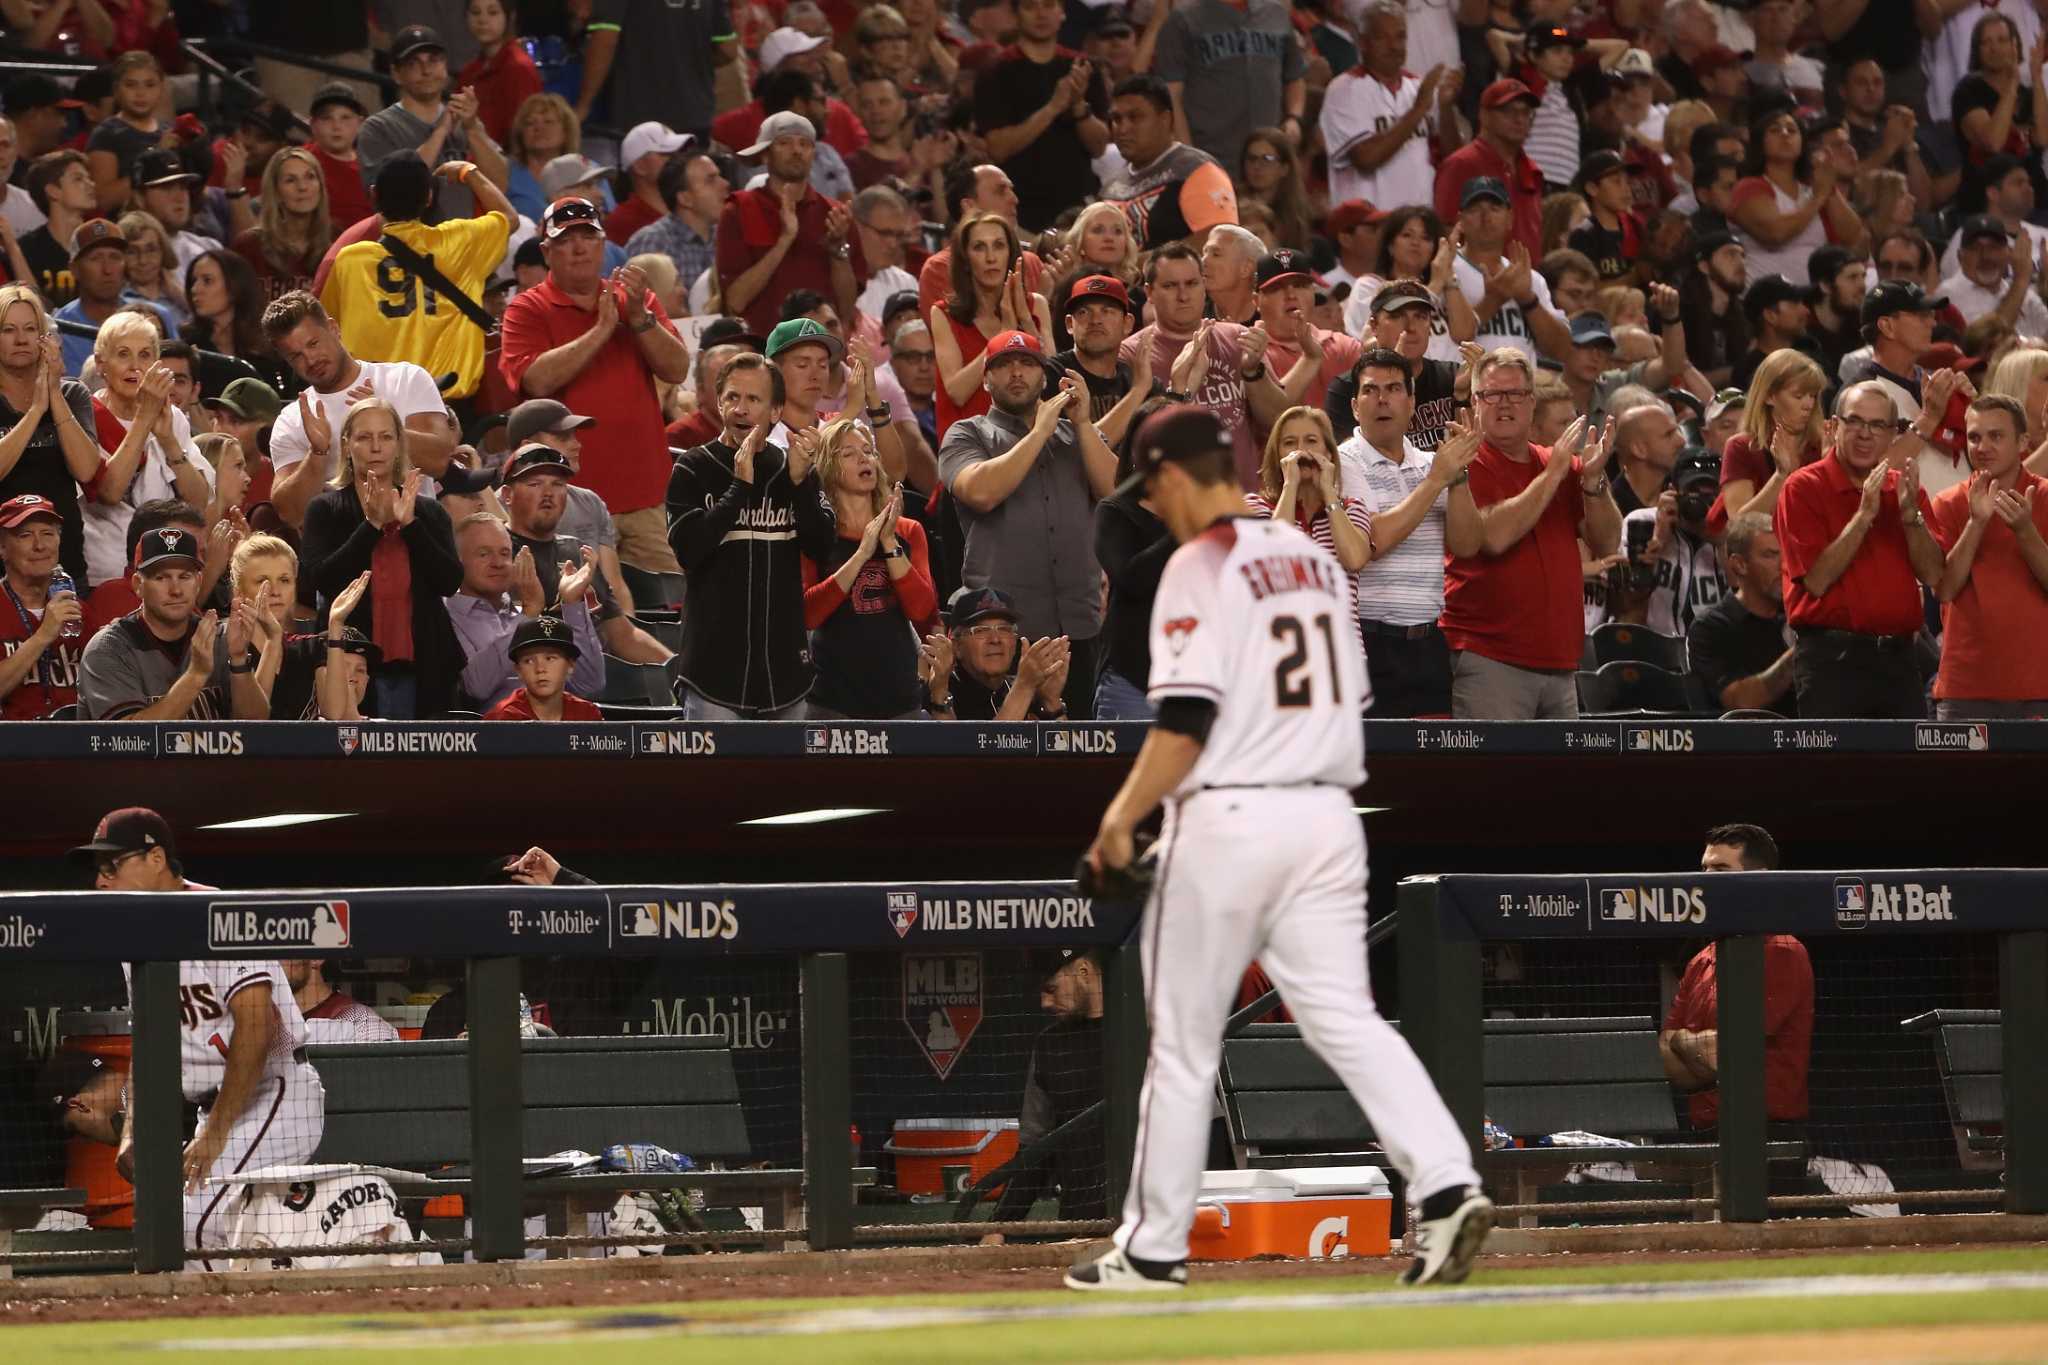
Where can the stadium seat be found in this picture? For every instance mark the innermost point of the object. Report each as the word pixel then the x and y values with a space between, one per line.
pixel 665 626
pixel 1627 688
pixel 662 591
pixel 68 712
pixel 658 715
pixel 1618 642
pixel 1751 713
pixel 634 684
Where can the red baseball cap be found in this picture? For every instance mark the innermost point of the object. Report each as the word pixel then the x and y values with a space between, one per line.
pixel 1098 287
pixel 17 510
pixel 1353 213
pixel 1005 342
pixel 1505 91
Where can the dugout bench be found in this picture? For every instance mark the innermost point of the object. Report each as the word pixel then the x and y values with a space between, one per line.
pixel 406 1105
pixel 1969 1052
pixel 1283 1107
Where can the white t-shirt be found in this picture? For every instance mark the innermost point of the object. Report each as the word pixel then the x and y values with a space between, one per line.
pixel 401 383
pixel 22 214
pixel 1508 326
pixel 106 526
pixel 204 990
pixel 1357 107
pixel 1790 259
pixel 1974 301
pixel 1358 320
pixel 890 279
pixel 1255 617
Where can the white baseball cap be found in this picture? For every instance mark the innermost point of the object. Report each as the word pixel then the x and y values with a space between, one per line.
pixel 1635 62
pixel 566 172
pixel 785 43
pixel 652 136
pixel 787 123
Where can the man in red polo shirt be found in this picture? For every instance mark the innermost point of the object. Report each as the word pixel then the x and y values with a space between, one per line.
pixel 1994 587
pixel 1505 110
pixel 598 345
pixel 1854 563
pixel 40 636
pixel 786 235
pixel 1513 589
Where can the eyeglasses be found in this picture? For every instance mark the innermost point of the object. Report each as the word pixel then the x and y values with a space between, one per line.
pixel 988 628
pixel 1496 397
pixel 1883 426
pixel 1265 158
pixel 913 357
pixel 108 866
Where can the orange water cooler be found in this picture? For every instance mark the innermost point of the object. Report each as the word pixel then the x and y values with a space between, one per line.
pixel 1316 1213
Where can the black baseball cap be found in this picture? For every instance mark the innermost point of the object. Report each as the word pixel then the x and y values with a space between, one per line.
pixel 161 166
pixel 538 415
pixel 1482 187
pixel 415 38
pixel 534 458
pixel 34 92
pixel 1180 432
pixel 468 482
pixel 1546 36
pixel 1772 290
pixel 1827 262
pixel 1285 266
pixel 353 641
pixel 1707 243
pixel 1696 464
pixel 165 544
pixel 1979 227
pixel 131 829
pixel 336 92
pixel 1115 26
pixel 731 332
pixel 1399 294
pixel 1596 166
pixel 542 632
pixel 968 605
pixel 1896 296
pixel 1046 961
pixel 1591 329
pixel 68 1072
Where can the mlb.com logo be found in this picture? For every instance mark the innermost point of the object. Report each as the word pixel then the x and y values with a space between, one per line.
pixel 1852 903
pixel 902 912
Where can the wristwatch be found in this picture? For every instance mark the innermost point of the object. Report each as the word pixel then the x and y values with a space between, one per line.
pixel 248 665
pixel 898 553
pixel 1463 476
pixel 1596 488
pixel 880 414
pixel 1174 397
pixel 643 325
pixel 1253 376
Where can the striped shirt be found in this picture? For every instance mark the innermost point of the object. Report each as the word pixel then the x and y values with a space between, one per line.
pixel 1554 137
pixel 1405 586
pixel 1319 530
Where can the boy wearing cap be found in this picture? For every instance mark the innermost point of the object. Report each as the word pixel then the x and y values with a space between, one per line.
pixel 1612 238
pixel 1505 110
pixel 163 661
pixel 40 612
pixel 337 121
pixel 543 652
pixel 438 131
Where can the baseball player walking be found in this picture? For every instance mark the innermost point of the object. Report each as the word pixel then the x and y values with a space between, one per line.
pixel 1259 680
pixel 261 1103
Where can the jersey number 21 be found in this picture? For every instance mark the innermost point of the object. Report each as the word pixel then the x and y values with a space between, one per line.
pixel 1294 675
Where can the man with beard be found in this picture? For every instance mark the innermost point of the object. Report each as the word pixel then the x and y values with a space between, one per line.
pixel 1063 1080
pixel 40 637
pixel 1778 312
pixel 1676 576
pixel 1710 303
pixel 501 590
pixel 158 662
pixel 1993 279
pixel 2008 197
pixel 1306 358
pixel 1099 318
pixel 1840 278
pixel 1740 648
pixel 536 494
pixel 1026 481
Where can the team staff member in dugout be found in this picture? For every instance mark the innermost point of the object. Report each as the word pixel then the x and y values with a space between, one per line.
pixel 1061 1081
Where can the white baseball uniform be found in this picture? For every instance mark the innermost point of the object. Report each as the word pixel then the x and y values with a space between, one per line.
pixel 1262 858
pixel 1358 106
pixel 284 1118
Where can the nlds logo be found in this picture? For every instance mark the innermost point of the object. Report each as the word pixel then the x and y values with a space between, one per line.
pixel 1653 905
pixel 679 919
pixel 204 743
pixel 678 743
pixel 1660 739
pixel 1080 741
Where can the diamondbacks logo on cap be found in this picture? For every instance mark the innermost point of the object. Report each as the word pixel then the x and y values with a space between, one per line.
pixel 549 626
pixel 1179 631
pixel 1016 343
pixel 168 538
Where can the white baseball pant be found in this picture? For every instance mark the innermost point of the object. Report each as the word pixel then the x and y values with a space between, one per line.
pixel 1276 875
pixel 280 1127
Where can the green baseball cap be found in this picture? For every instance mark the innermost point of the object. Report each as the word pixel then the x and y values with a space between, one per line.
pixel 252 400
pixel 802 332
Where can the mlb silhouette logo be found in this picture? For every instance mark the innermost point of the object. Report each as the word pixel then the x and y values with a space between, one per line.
pixel 639 919
pixel 1056 742
pixel 178 742
pixel 330 924
pixel 654 742
pixel 816 741
pixel 1618 906
pixel 1851 896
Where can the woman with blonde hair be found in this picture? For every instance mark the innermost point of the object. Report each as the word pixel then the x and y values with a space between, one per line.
pixel 1102 244
pixel 1299 482
pixel 295 229
pixel 230 465
pixel 373 519
pixel 156 457
pixel 47 442
pixel 1883 200
pixel 152 266
pixel 863 603
pixel 1781 432
pixel 544 128
pixel 2023 374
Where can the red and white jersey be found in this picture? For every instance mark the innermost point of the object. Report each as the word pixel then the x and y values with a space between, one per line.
pixel 204 989
pixel 342 1019
pixel 1358 106
pixel 1255 617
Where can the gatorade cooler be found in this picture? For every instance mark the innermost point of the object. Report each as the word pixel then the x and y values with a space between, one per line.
pixel 89 1165
pixel 1317 1213
pixel 945 1156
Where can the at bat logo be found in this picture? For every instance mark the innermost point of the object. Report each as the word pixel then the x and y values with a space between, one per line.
pixel 1179 631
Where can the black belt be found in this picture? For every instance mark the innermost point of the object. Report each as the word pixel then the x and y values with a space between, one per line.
pixel 1421 632
pixel 1264 786
pixel 1861 639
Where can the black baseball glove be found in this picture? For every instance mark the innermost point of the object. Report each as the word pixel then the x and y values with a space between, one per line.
pixel 1131 882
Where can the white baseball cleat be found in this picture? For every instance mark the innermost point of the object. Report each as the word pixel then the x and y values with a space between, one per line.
pixel 1446 1244
pixel 1114 1272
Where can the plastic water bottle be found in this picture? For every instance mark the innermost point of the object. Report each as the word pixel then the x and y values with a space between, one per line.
pixel 61 582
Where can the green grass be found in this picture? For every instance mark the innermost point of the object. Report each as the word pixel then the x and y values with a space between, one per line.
pixel 609 1332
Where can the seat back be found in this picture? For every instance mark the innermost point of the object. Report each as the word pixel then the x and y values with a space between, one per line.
pixel 1624 688
pixel 1619 642
pixel 635 684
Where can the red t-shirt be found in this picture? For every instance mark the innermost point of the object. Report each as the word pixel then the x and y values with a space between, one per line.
pixel 629 466
pixel 1788 1025
pixel 687 433
pixel 502 83
pixel 1524 182
pixel 53 682
pixel 519 706
pixel 945 411
pixel 348 200
pixel 739 127
pixel 935 279
pixel 107 603
pixel 1524 607
pixel 1992 635
pixel 1743 459
pixel 1879 594
pixel 750 225
pixel 630 216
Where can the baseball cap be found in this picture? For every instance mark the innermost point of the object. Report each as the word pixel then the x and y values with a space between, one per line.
pixel 565 172
pixel 1098 287
pixel 803 332
pixel 1715 58
pixel 1591 329
pixel 652 136
pixel 68 1072
pixel 1046 961
pixel 1115 26
pixel 132 829
pixel 1635 63
pixel 542 632
pixel 1725 399
pixel 33 92
pixel 1481 187
pixel 730 332
pixel 1003 343
pixel 1398 294
pixel 1826 262
pixel 165 544
pixel 1546 36
pixel 1179 432
pixel 336 92
pixel 1772 290
pixel 566 215
pixel 541 414
pixel 414 39
pixel 353 641
pixel 785 43
pixel 248 398
pixel 1981 227
pixel 968 605
pixel 1352 213
pixel 1707 243
pixel 1946 355
pixel 26 507
pixel 788 123
pixel 1285 266
pixel 1897 296
pixel 1596 166
pixel 160 166
pixel 469 481
pixel 535 458
pixel 97 232
pixel 1505 91
pixel 1696 465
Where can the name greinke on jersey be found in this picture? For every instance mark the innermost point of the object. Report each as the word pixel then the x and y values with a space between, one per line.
pixel 1288 573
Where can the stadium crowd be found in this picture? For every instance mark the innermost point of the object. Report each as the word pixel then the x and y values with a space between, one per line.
pixel 793 350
